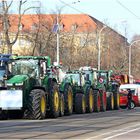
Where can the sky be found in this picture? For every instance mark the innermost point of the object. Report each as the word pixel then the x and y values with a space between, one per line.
pixel 121 15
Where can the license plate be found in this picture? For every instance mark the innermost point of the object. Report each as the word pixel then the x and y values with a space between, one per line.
pixel 11 99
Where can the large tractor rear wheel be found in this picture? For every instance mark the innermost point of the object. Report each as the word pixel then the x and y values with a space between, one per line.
pixel 54 100
pixel 103 100
pixel 37 104
pixel 80 103
pixel 68 99
pixel 110 101
pixel 89 100
pixel 61 105
pixel 116 100
pixel 97 104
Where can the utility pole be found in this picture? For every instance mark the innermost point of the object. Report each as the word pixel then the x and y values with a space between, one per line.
pixel 57 39
pixel 99 47
pixel 58 30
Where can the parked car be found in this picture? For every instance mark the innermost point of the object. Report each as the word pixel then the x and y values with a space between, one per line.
pixel 135 90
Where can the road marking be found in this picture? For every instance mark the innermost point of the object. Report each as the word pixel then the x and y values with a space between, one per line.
pixel 90 138
pixel 121 134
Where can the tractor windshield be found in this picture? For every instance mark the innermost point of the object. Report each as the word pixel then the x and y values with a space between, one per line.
pixel 103 75
pixel 26 67
pixel 75 78
pixel 2 72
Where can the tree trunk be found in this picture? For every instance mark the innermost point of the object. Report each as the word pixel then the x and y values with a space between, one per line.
pixel 9 48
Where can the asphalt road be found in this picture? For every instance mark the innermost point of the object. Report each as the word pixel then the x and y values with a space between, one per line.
pixel 109 125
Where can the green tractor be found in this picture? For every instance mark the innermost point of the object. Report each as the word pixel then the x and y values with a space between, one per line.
pixel 112 88
pixel 78 94
pixel 99 92
pixel 32 89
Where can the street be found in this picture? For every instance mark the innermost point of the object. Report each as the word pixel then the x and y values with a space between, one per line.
pixel 110 125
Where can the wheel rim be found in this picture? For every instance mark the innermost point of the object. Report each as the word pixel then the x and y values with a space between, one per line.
pixel 43 105
pixel 83 104
pixel 132 105
pixel 98 102
pixel 69 100
pixel 118 100
pixel 56 101
pixel 112 102
pixel 104 98
pixel 90 100
pixel 62 105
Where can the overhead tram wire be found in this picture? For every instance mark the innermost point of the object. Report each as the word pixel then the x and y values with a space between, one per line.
pixel 72 6
pixel 127 9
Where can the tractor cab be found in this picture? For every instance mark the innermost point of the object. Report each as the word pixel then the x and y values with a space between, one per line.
pixel 78 78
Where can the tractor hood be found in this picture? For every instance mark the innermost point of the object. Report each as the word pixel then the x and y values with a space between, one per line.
pixel 17 79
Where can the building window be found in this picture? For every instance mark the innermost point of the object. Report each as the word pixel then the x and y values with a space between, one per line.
pixel 34 26
pixel 74 27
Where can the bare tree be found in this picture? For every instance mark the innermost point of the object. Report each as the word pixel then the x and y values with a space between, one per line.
pixel 6 22
pixel 135 51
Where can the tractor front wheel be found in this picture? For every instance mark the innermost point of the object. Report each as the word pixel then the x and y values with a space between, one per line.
pixel 80 103
pixel 61 105
pixel 110 101
pixel 89 100
pixel 68 98
pixel 116 100
pixel 103 101
pixel 54 100
pixel 96 94
pixel 37 104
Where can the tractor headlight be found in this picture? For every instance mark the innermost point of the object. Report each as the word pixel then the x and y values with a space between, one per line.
pixel 9 84
pixel 19 84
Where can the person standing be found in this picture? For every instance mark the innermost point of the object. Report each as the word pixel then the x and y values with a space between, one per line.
pixel 129 97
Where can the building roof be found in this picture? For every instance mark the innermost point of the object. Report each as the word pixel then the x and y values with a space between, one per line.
pixel 101 24
pixel 68 22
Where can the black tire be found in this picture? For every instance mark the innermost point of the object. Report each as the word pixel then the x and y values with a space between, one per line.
pixel 89 100
pixel 54 98
pixel 68 99
pixel 96 94
pixel 36 105
pixel 80 103
pixel 103 100
pixel 131 105
pixel 110 101
pixel 61 105
pixel 116 100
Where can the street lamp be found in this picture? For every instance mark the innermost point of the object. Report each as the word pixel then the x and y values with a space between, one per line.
pixel 65 4
pixel 130 55
pixel 99 47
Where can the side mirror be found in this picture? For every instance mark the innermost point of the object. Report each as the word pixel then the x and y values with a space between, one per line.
pixel 5 77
